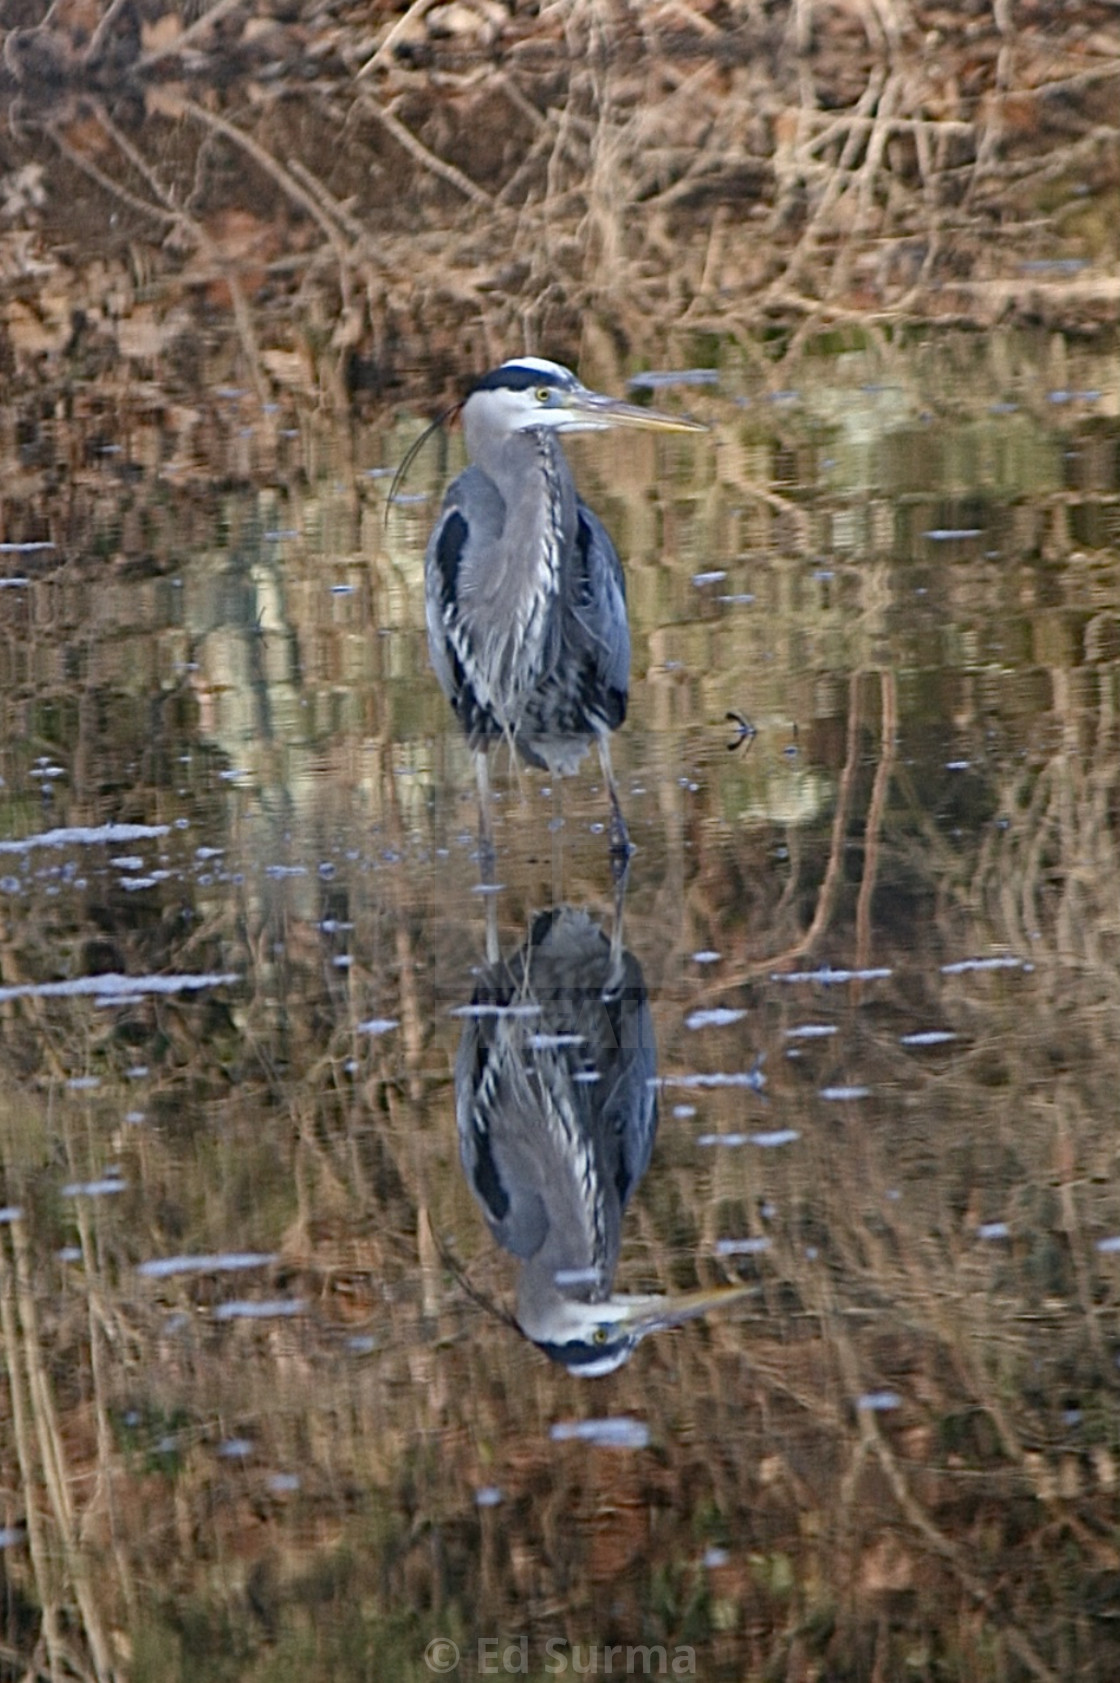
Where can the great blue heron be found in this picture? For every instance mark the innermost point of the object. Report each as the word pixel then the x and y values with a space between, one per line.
pixel 526 600
pixel 556 1105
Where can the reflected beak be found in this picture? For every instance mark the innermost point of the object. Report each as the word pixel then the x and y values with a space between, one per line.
pixel 587 411
pixel 641 1315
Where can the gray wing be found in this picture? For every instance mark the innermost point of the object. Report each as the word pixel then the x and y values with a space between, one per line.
pixel 471 521
pixel 597 607
pixel 496 1138
pixel 630 1100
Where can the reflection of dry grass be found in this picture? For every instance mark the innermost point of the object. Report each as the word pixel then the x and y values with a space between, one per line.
pixel 972 1526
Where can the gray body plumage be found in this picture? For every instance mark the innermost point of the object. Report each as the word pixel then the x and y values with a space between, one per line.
pixel 557 1112
pixel 524 593
pixel 526 602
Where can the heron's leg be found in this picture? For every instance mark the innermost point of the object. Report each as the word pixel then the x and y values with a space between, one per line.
pixel 487 864
pixel 621 877
pixel 556 828
pixel 486 856
pixel 493 945
pixel 621 847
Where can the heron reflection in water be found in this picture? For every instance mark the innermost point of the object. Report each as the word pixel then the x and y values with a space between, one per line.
pixel 556 1103
pixel 525 594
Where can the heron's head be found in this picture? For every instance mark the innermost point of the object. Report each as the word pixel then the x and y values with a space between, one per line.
pixel 593 1339
pixel 531 394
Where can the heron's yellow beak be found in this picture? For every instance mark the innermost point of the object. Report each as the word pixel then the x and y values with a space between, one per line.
pixel 640 1315
pixel 587 411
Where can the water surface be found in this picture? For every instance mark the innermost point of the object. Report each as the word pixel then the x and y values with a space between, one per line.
pixel 269 1414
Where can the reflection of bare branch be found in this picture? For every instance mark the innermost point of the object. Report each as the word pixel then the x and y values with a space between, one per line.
pixel 272 166
pixel 416 148
pixel 104 24
pixel 159 212
pixel 190 35
pixel 826 894
pixel 241 311
pixel 872 837
pixel 873 1439
pixel 412 15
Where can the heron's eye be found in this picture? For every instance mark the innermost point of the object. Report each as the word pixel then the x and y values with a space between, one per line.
pixel 544 394
pixel 600 1335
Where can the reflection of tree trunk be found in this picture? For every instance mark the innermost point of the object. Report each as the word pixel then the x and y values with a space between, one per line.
pixel 888 732
pixel 411 1029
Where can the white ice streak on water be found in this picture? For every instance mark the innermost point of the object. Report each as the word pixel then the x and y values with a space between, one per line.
pixel 1002 962
pixel 741 1247
pixel 993 1230
pixel 842 1095
pixel 112 988
pixel 720 1016
pixel 105 1187
pixel 766 1140
pixel 486 1009
pixel 86 835
pixel 752 1078
pixel 217 1262
pixel 377 1025
pixel 927 1037
pixel 263 1309
pixel 828 977
pixel 619 1432
pixel 811 1031
pixel 879 1402
pixel 657 379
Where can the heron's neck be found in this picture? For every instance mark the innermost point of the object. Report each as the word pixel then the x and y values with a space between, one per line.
pixel 533 476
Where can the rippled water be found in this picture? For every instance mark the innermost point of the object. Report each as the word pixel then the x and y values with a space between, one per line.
pixel 269 1410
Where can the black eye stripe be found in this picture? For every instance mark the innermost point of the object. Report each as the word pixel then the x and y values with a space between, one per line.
pixel 582 1352
pixel 513 378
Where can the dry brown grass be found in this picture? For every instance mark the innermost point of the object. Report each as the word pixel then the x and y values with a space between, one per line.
pixel 368 194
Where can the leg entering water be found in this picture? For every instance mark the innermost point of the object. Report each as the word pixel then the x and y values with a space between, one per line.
pixel 486 860
pixel 621 873
pixel 621 847
pixel 557 829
